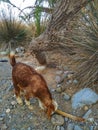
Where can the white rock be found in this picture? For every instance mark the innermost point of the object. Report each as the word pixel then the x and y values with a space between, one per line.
pixel 8 110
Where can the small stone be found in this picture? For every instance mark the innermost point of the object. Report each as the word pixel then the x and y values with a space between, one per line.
pixel 4 127
pixel 87 114
pixel 69 76
pixel 91 127
pixel 8 110
pixel 62 128
pixel 0 100
pixel 69 82
pixel 70 126
pixel 85 108
pixel 10 88
pixel 1 118
pixel 58 89
pixel 91 120
pixel 86 128
pixel 13 103
pixel 76 127
pixel 58 128
pixel 57 120
pixel 29 128
pixel 96 127
pixel 75 81
pixel 59 79
pixel 66 119
pixel 59 72
pixel 66 96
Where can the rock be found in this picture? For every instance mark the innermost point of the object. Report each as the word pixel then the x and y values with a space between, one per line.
pixel 75 81
pixel 4 127
pixel 59 72
pixel 91 120
pixel 70 76
pixel 8 110
pixel 86 128
pixel 58 89
pixel 20 49
pixel 66 96
pixel 58 79
pixel 96 127
pixel 84 97
pixel 69 82
pixel 85 108
pixel 76 127
pixel 62 128
pixel 29 128
pixel 66 119
pixel 57 120
pixel 91 127
pixel 13 103
pixel 1 118
pixel 70 126
pixel 87 114
pixel 58 128
pixel 10 88
pixel 0 99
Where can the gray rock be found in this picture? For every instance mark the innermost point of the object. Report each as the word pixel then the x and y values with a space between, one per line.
pixel 58 128
pixel 84 97
pixel 4 127
pixel 1 118
pixel 58 79
pixel 69 82
pixel 70 126
pixel 91 127
pixel 66 96
pixel 86 128
pixel 96 127
pixel 76 127
pixel 66 119
pixel 87 114
pixel 59 72
pixel 75 81
pixel 58 89
pixel 57 120
pixel 10 88
pixel 29 128
pixel 0 99
pixel 91 120
pixel 62 128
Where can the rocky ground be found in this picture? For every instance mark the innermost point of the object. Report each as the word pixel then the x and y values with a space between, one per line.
pixel 16 117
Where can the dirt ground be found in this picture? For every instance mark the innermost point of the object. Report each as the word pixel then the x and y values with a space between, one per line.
pixel 16 117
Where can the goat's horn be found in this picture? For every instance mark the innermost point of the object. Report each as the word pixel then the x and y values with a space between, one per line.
pixel 70 116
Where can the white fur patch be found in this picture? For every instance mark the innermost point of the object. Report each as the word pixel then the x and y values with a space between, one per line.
pixel 41 105
pixel 55 104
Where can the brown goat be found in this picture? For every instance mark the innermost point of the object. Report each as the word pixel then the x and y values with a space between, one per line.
pixel 28 81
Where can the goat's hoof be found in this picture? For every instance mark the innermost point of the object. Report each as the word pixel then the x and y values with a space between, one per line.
pixel 19 101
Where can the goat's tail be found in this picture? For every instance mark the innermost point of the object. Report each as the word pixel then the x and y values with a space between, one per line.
pixel 12 58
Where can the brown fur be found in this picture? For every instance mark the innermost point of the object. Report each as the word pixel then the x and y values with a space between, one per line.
pixel 27 80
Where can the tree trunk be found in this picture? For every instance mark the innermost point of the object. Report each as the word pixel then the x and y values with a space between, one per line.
pixel 63 14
